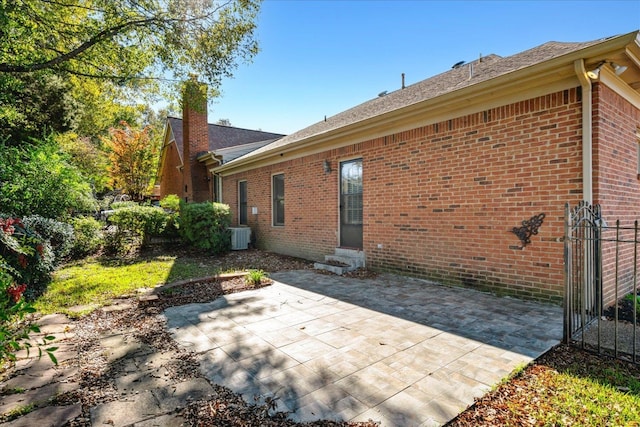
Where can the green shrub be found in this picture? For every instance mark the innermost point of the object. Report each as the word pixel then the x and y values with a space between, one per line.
pixel 134 226
pixel 120 242
pixel 59 234
pixel 26 255
pixel 206 226
pixel 170 202
pixel 38 179
pixel 88 236
pixel 16 250
pixel 122 205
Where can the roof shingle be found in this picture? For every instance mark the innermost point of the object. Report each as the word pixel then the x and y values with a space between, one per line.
pixel 483 69
pixel 223 136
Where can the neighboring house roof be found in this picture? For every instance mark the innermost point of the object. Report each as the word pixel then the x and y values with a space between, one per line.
pixel 231 153
pixel 480 70
pixel 223 136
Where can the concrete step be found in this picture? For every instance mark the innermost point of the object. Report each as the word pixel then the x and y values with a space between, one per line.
pixel 342 261
pixel 335 269
pixel 354 254
pixel 335 259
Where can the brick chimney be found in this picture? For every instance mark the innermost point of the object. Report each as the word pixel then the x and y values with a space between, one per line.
pixel 195 134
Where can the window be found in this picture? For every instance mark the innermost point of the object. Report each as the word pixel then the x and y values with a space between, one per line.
pixel 242 203
pixel 277 192
pixel 217 187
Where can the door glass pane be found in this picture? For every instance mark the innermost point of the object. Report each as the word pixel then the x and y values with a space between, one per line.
pixel 351 188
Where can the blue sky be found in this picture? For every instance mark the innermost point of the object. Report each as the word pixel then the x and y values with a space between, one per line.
pixel 318 58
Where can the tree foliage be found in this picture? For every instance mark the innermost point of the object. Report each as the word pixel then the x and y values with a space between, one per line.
pixel 123 39
pixel 33 105
pixel 39 180
pixel 133 158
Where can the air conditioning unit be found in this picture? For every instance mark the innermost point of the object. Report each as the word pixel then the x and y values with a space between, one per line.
pixel 240 238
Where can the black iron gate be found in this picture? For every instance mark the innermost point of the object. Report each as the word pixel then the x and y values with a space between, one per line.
pixel 583 264
pixel 599 283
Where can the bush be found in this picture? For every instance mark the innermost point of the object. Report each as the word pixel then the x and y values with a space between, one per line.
pixel 171 202
pixel 38 179
pixel 59 235
pixel 88 236
pixel 133 226
pixel 14 333
pixel 206 226
pixel 26 255
pixel 124 204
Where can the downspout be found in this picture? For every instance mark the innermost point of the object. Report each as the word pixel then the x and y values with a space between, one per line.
pixel 587 131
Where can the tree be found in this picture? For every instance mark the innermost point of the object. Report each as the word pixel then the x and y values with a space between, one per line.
pixel 38 179
pixel 88 157
pixel 133 159
pixel 224 122
pixel 33 105
pixel 122 40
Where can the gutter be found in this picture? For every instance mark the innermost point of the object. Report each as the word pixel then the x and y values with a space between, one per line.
pixel 587 131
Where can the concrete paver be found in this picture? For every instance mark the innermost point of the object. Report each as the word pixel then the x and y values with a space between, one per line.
pixel 402 351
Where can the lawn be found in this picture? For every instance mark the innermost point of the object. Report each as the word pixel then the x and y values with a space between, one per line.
pixel 81 287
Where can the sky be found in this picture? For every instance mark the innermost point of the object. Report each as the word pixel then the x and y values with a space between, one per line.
pixel 322 57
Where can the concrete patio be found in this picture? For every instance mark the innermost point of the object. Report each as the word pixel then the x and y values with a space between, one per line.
pixel 401 351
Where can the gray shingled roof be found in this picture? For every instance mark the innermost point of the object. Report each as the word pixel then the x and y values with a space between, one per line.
pixel 231 153
pixel 486 68
pixel 223 136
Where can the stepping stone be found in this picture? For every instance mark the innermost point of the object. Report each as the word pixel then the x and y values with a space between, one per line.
pixel 180 394
pixel 53 324
pixel 51 416
pixel 37 397
pixel 127 411
pixel 164 421
pixel 118 347
pixel 141 381
pixel 65 352
pixel 146 299
pixel 117 306
pixel 35 378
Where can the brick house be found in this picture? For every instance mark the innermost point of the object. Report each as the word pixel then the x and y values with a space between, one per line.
pixel 207 145
pixel 432 179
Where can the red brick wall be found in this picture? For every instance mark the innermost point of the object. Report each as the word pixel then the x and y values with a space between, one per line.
pixel 442 199
pixel 171 179
pixel 311 211
pixel 616 184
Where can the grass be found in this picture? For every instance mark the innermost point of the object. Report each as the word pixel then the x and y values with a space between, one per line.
pixel 564 387
pixel 18 412
pixel 564 398
pixel 255 277
pixel 94 282
pixel 629 297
